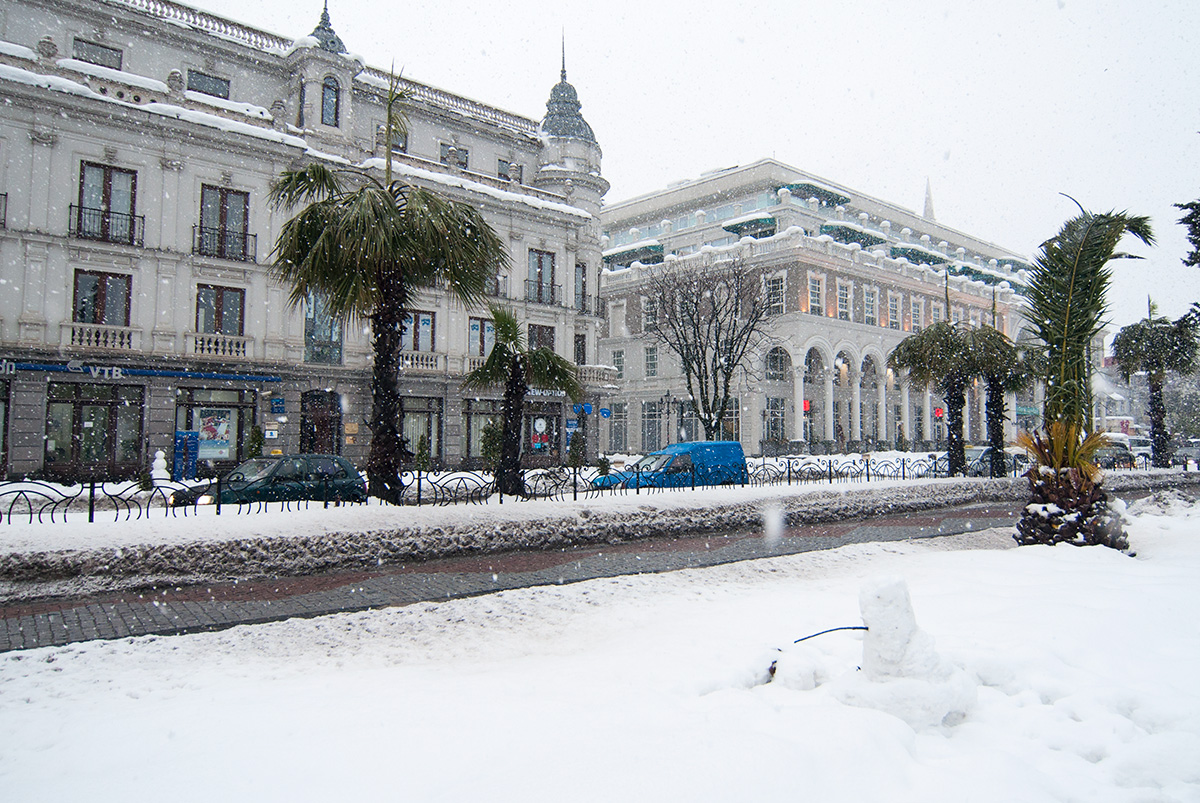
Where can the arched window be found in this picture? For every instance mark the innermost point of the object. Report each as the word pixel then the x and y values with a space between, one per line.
pixel 779 365
pixel 330 102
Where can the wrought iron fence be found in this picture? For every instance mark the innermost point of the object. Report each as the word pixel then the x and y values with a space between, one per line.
pixel 45 502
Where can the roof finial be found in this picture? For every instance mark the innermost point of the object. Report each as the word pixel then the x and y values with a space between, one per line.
pixel 564 54
pixel 325 35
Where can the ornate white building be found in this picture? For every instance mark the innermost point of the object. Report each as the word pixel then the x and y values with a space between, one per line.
pixel 138 143
pixel 846 277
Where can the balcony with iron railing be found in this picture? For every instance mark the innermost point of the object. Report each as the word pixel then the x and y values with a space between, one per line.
pixel 94 336
pixel 496 286
pixel 220 347
pixel 224 243
pixel 587 305
pixel 107 226
pixel 540 293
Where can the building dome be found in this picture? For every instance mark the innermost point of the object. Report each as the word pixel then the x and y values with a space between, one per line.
pixel 562 113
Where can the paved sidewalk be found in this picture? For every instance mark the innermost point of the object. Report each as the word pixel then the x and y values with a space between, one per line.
pixel 191 609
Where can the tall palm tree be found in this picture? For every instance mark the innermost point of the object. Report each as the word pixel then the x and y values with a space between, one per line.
pixel 366 247
pixel 1066 311
pixel 1158 345
pixel 517 367
pixel 939 356
pixel 1067 304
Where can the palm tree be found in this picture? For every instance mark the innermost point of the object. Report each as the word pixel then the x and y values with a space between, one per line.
pixel 939 356
pixel 1000 363
pixel 366 247
pixel 1067 291
pixel 514 365
pixel 1066 310
pixel 1157 346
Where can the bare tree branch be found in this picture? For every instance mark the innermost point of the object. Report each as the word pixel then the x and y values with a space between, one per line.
pixel 710 317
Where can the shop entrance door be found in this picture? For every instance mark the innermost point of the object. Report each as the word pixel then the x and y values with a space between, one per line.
pixel 93 432
pixel 320 422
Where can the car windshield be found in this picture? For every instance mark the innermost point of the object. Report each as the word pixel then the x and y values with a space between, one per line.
pixel 652 462
pixel 253 469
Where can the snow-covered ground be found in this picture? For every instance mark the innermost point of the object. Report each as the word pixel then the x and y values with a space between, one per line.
pixel 1067 674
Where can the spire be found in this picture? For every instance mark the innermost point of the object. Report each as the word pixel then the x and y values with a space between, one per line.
pixel 562 110
pixel 324 33
pixel 928 200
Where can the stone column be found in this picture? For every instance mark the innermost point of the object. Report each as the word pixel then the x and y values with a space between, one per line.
pixel 881 416
pixel 827 375
pixel 906 412
pixel 798 393
pixel 855 379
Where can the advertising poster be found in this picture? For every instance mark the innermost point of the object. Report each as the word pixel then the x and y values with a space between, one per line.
pixel 215 425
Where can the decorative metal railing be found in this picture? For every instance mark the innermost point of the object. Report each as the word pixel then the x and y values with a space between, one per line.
pixel 224 243
pixel 540 293
pixel 106 225
pixel 43 502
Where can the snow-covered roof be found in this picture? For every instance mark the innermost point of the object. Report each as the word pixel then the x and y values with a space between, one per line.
pixel 403 169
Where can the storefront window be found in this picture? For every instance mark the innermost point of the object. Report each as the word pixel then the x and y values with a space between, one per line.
pixel 478 413
pixel 421 418
pixel 93 431
pixel 221 417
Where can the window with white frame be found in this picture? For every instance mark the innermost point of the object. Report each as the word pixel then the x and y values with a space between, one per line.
pixel 618 361
pixel 917 313
pixel 816 298
pixel 893 311
pixel 935 313
pixel 649 313
pixel 331 102
pixel 976 318
pixel 651 361
pixel 618 427
pixel 956 315
pixel 778 365
pixel 773 292
pixel 843 301
pixel 871 307
pixel 774 421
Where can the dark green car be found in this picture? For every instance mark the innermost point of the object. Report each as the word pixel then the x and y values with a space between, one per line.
pixel 286 478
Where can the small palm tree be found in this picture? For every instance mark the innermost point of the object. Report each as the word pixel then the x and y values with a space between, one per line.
pixel 939 356
pixel 1156 346
pixel 1066 311
pixel 1000 363
pixel 516 367
pixel 366 247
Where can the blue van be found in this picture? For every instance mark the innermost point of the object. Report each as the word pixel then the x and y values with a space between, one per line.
pixel 681 464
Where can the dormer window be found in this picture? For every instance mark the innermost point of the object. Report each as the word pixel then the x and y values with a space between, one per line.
pixel 208 84
pixel 100 55
pixel 331 96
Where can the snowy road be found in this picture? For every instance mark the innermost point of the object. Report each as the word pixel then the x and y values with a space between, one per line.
pixel 71 618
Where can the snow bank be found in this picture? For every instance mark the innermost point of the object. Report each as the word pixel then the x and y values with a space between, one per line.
pixel 651 687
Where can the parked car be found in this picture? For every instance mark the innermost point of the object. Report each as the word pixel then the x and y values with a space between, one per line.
pixel 285 478
pixel 1140 446
pixel 681 464
pixel 1115 455
pixel 1185 453
pixel 1015 462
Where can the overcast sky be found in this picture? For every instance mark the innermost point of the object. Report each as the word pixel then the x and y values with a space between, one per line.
pixel 1001 105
